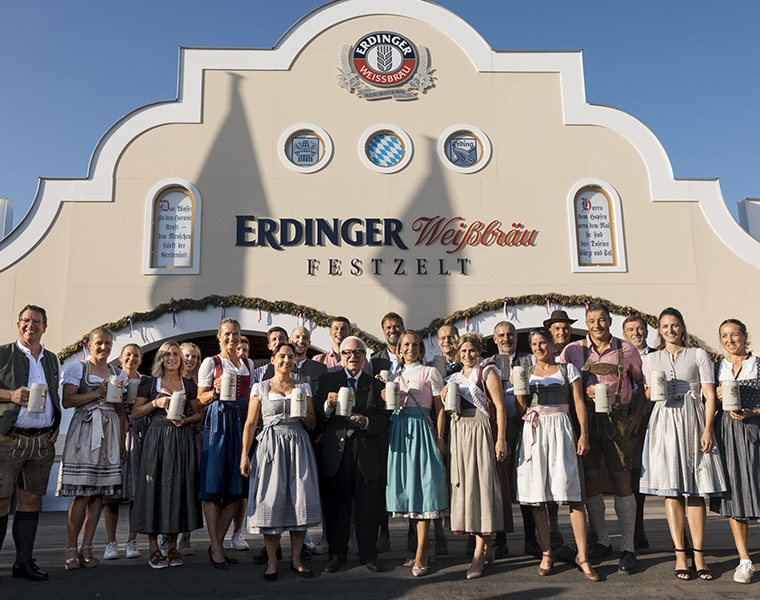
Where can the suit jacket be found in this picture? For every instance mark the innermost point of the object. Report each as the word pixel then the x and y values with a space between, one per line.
pixel 337 430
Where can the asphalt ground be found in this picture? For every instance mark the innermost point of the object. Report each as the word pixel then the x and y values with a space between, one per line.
pixel 511 577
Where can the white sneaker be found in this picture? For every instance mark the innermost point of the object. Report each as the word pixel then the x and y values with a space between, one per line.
pixel 185 549
pixel 744 572
pixel 237 542
pixel 132 551
pixel 163 544
pixel 112 551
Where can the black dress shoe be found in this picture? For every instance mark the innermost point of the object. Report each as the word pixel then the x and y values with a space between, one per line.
pixel 305 553
pixel 231 561
pixel 30 571
pixel 305 574
pixel 500 549
pixel 599 551
pixel 627 563
pixel 533 548
pixel 222 566
pixel 334 564
pixel 270 576
pixel 640 542
pixel 262 556
pixel 374 565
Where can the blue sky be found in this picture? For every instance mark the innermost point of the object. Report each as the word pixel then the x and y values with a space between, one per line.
pixel 688 70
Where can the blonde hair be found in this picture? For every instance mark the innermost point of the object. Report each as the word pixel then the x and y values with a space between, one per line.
pixel 157 370
pixel 190 346
pixel 473 338
pixel 418 337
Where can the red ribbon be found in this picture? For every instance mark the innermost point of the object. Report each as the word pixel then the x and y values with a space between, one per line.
pixel 467 322
pixel 83 346
pixel 548 300
pixel 585 303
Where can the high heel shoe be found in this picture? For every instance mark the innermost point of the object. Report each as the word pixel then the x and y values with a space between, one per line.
pixel 72 562
pixel 547 571
pixel 703 574
pixel 474 572
pixel 222 566
pixel 429 559
pixel 682 574
pixel 409 562
pixel 89 562
pixel 592 576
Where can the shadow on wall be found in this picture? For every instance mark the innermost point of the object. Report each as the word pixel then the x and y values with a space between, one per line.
pixel 421 259
pixel 230 177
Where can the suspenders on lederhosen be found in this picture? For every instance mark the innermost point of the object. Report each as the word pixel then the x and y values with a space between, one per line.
pixel 603 368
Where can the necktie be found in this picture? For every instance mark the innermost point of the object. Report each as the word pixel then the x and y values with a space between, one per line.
pixel 352 387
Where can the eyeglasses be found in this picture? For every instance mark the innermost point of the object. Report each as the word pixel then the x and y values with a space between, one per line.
pixel 357 352
pixel 27 320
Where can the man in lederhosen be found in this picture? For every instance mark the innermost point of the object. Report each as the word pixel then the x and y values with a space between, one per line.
pixel 602 358
pixel 27 440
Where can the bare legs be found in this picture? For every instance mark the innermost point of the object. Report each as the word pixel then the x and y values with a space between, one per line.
pixel 111 517
pixel 541 517
pixel 695 509
pixel 296 545
pixel 739 529
pixel 423 544
pixel 219 514
pixel 84 510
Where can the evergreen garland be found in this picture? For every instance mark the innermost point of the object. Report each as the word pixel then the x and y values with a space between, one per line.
pixel 322 320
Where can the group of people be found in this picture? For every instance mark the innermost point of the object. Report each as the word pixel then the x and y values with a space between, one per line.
pixel 345 440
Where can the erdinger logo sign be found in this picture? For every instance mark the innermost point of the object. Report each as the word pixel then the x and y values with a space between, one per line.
pixel 385 59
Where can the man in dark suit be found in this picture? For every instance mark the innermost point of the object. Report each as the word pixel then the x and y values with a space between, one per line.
pixel 351 457
pixel 385 358
pixel 635 331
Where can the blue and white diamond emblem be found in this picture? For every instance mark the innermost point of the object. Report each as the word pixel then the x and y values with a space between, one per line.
pixel 385 150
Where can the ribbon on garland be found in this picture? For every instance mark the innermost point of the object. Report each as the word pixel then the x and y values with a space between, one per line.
pixel 629 312
pixel 430 339
pixel 301 317
pixel 467 322
pixel 173 310
pixel 585 303
pixel 131 329
pixel 83 346
pixel 548 300
pixel 259 304
pixel 222 310
pixel 506 313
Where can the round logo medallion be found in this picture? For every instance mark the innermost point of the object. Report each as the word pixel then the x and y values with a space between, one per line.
pixel 386 149
pixel 384 59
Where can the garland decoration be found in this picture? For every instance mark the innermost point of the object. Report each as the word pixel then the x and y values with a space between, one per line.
pixel 321 319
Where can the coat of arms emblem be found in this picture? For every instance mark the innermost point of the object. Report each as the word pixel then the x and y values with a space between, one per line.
pixel 385 64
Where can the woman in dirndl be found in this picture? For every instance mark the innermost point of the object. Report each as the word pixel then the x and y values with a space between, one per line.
pixel 130 359
pixel 737 434
pixel 416 474
pixel 548 465
pixel 221 484
pixel 166 498
pixel 477 505
pixel 91 460
pixel 284 482
pixel 680 459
